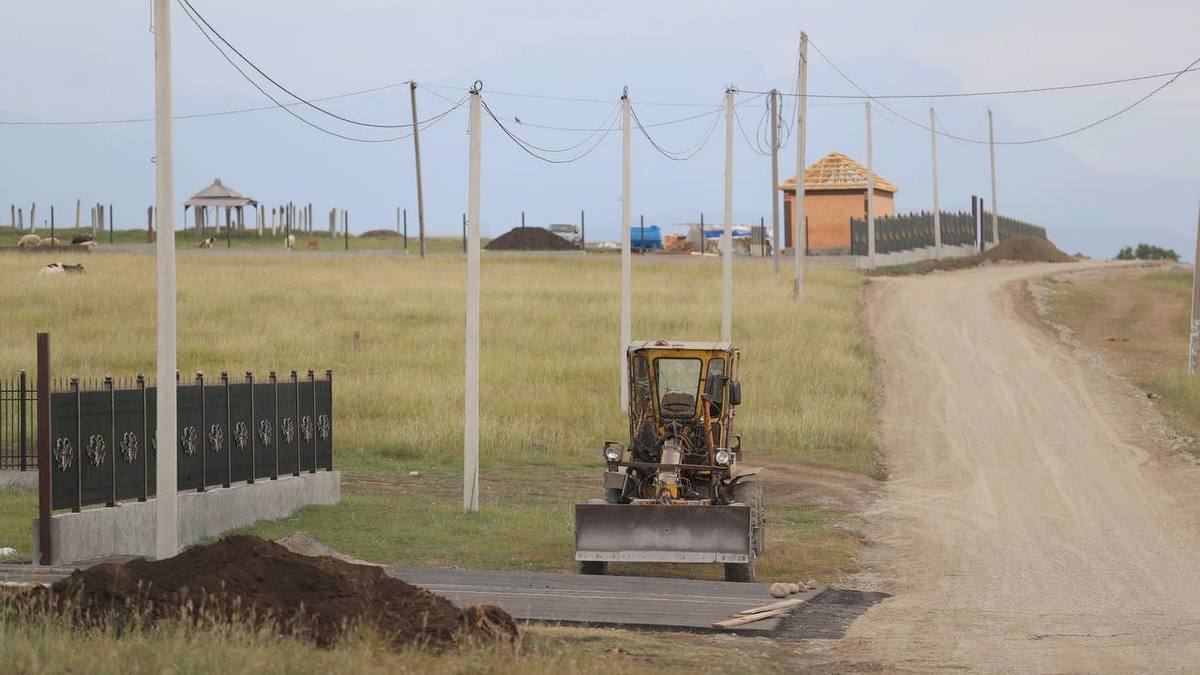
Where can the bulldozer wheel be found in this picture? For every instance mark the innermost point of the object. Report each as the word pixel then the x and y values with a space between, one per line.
pixel 741 572
pixel 592 567
pixel 751 495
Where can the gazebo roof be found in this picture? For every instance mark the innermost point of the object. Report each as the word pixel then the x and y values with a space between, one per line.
pixel 837 171
pixel 218 194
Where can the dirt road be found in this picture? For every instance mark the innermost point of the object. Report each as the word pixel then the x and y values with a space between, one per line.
pixel 1035 519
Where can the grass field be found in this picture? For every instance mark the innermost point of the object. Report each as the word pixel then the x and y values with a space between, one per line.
pixel 1139 318
pixel 249 239
pixel 549 397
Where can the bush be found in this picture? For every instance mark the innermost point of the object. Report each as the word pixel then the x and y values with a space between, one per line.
pixel 1147 252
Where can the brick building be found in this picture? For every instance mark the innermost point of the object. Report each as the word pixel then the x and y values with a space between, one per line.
pixel 835 190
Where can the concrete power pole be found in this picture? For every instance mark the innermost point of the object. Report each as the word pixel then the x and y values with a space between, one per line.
pixel 166 539
pixel 1194 338
pixel 995 205
pixel 937 214
pixel 412 92
pixel 727 234
pixel 471 422
pixel 800 245
pixel 626 254
pixel 775 180
pixel 870 196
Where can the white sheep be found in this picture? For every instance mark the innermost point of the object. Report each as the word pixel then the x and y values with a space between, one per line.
pixel 29 241
pixel 291 241
pixel 48 242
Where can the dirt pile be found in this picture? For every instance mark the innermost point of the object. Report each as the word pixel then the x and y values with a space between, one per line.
pixel 530 239
pixel 381 234
pixel 247 579
pixel 1027 249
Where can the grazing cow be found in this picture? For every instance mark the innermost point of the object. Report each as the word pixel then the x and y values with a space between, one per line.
pixel 29 241
pixel 57 268
pixel 82 238
pixel 313 243
pixel 207 243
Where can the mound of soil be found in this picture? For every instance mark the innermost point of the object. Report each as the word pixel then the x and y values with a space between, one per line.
pixel 1027 249
pixel 247 579
pixel 530 239
pixel 384 234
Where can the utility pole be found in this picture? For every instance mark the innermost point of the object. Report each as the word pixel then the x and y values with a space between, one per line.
pixel 937 214
pixel 870 196
pixel 800 246
pixel 166 530
pixel 775 179
pixel 412 92
pixel 626 254
pixel 995 205
pixel 471 422
pixel 1194 338
pixel 727 235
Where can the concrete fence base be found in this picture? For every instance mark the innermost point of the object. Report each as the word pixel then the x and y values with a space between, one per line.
pixel 916 255
pixel 128 529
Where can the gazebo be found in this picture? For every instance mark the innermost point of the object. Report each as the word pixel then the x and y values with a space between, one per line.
pixel 218 196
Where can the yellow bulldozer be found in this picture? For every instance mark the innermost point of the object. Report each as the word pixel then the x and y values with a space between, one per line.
pixel 677 491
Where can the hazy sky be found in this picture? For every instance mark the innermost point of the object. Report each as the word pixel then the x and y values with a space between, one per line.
pixel 1133 179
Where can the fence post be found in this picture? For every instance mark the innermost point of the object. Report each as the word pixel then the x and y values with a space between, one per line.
pixel 44 464
pixel 141 385
pixel 312 435
pixel 78 446
pixel 203 433
pixel 275 423
pixel 297 435
pixel 22 399
pixel 253 428
pixel 228 432
pixel 464 237
pixel 329 379
pixel 112 440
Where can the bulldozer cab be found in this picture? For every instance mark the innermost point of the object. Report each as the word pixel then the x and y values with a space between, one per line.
pixel 682 388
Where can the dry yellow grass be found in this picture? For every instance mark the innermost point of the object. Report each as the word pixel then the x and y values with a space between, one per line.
pixel 550 345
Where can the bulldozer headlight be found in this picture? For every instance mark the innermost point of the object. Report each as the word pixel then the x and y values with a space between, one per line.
pixel 722 457
pixel 612 452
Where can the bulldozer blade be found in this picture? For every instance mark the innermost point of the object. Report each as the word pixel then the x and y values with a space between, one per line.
pixel 662 533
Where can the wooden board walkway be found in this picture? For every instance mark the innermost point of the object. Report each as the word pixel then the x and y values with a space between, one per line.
pixel 687 604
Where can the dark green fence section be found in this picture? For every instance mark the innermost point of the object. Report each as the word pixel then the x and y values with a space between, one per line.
pixel 908 231
pixel 103 444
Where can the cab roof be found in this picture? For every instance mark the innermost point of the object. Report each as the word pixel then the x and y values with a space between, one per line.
pixel 672 344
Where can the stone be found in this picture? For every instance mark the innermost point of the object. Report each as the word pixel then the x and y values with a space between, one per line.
pixel 779 590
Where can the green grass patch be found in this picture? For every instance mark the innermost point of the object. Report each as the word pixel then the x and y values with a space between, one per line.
pixel 18 508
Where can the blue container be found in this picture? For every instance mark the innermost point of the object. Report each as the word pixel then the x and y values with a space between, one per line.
pixel 649 237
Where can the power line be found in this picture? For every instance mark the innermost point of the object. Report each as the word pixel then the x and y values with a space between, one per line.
pixel 682 155
pixel 275 82
pixel 1029 141
pixel 218 113
pixel 285 108
pixel 532 150
pixel 1006 92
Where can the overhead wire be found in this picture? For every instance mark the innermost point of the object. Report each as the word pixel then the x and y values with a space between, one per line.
pixel 533 150
pixel 187 12
pixel 275 82
pixel 1029 141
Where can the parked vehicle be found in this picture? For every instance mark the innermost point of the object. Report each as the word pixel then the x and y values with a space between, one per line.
pixel 568 231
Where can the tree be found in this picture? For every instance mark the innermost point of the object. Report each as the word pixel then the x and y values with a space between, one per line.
pixel 1147 252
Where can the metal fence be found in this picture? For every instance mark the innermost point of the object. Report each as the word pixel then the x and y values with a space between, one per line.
pixel 103 434
pixel 908 231
pixel 18 415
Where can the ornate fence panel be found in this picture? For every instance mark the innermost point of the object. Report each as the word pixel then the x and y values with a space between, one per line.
pixel 103 447
pixel 18 415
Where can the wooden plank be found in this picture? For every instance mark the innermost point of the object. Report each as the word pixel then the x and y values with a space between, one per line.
pixel 749 618
pixel 782 604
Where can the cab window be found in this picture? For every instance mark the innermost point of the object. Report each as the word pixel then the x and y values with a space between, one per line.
pixel 678 386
